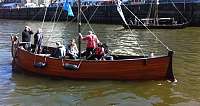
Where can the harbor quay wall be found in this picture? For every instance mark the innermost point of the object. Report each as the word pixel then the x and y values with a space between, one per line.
pixel 108 14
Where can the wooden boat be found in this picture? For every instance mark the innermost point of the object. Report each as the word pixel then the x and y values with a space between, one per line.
pixel 121 68
pixel 153 21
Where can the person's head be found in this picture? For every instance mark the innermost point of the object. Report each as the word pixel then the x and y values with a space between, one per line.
pixel 72 41
pixel 58 44
pixel 39 30
pixel 26 28
pixel 100 44
pixel 89 32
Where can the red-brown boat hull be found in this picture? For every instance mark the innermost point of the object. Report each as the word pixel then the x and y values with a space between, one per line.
pixel 156 68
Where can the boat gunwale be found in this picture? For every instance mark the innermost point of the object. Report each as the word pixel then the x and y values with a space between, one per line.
pixel 136 57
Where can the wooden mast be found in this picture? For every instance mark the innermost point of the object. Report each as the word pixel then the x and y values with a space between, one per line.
pixel 79 27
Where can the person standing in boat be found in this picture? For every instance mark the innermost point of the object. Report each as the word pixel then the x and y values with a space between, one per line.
pixel 26 38
pixel 38 38
pixel 72 49
pixel 92 42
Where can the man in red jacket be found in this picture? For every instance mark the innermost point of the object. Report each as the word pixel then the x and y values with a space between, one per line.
pixel 92 41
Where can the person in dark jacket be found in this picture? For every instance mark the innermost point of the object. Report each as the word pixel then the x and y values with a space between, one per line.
pixel 38 38
pixel 60 51
pixel 26 38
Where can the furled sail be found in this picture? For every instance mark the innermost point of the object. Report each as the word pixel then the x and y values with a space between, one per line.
pixel 119 9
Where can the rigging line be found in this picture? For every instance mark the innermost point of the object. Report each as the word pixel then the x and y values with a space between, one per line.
pixel 53 25
pixel 94 13
pixel 57 19
pixel 87 22
pixel 92 16
pixel 86 19
pixel 44 17
pixel 179 11
pixel 74 18
pixel 59 15
pixel 71 20
pixel 136 41
pixel 53 18
pixel 147 28
pixel 36 14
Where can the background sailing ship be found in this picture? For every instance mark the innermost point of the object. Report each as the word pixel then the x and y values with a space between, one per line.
pixel 154 21
pixel 107 13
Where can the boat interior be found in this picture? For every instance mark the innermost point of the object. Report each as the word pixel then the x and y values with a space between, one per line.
pixel 49 51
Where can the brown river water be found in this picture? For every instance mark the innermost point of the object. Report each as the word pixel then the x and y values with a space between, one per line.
pixel 18 89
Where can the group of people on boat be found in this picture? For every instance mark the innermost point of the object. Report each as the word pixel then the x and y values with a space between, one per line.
pixel 71 50
pixel 94 48
pixel 26 39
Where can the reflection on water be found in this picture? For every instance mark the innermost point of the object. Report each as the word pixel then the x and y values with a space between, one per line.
pixel 27 90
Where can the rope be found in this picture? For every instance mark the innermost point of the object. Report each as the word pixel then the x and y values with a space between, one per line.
pixel 135 38
pixel 136 41
pixel 59 15
pixel 36 14
pixel 179 11
pixel 74 18
pixel 148 29
pixel 91 16
pixel 86 18
pixel 87 21
pixel 44 17
pixel 94 13
pixel 52 26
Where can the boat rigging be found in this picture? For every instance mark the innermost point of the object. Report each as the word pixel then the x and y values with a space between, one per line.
pixel 121 67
